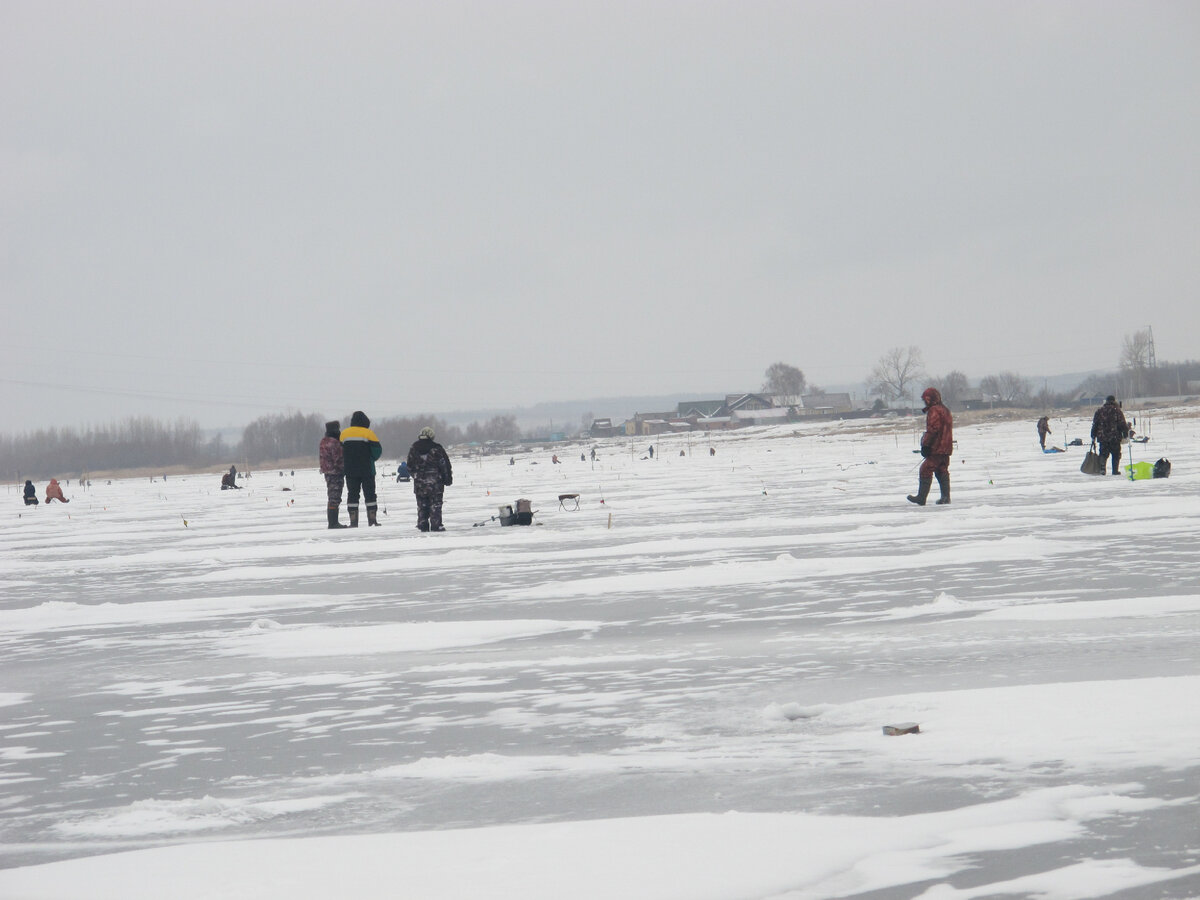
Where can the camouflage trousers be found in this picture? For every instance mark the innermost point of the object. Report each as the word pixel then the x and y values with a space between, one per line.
pixel 333 488
pixel 429 506
pixel 1113 449
pixel 934 464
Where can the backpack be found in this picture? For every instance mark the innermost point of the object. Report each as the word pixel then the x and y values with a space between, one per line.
pixel 1162 468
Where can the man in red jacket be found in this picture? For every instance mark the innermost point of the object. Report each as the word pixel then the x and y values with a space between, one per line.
pixel 937 443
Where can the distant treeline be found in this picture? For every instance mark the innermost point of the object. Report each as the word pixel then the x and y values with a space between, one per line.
pixel 142 442
pixel 132 444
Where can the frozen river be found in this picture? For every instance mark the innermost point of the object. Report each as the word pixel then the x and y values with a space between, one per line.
pixel 706 634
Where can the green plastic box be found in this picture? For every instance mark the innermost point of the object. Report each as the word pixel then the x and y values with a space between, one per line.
pixel 1139 471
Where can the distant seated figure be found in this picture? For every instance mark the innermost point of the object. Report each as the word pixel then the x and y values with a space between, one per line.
pixel 30 494
pixel 402 473
pixel 54 491
pixel 229 480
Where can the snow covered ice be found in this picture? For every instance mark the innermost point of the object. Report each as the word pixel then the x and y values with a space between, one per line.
pixel 678 692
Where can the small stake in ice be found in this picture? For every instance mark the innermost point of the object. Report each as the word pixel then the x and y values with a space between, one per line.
pixel 902 728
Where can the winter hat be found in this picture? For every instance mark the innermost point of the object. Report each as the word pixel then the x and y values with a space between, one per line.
pixel 360 420
pixel 427 432
pixel 333 429
pixel 1110 399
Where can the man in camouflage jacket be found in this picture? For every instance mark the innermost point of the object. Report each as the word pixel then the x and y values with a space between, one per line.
pixel 1110 428
pixel 429 466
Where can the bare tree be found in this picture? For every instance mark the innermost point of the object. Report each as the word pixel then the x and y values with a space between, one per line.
pixel 1015 388
pixel 953 386
pixel 783 379
pixel 1135 359
pixel 1007 387
pixel 1098 385
pixel 896 372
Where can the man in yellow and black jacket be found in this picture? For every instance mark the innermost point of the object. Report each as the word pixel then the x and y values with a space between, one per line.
pixel 360 449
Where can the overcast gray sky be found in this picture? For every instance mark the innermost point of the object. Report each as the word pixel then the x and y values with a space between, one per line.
pixel 220 209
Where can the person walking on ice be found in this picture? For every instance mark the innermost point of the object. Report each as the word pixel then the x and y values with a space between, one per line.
pixel 360 449
pixel 937 443
pixel 431 475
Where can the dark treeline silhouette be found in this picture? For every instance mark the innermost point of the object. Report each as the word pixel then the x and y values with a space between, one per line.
pixel 142 442
pixel 1166 379
pixel 282 436
pixel 397 433
pixel 136 442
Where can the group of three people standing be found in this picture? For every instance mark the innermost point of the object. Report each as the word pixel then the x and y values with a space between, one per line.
pixel 349 455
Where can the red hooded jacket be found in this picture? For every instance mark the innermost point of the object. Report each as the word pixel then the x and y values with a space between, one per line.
pixel 938 438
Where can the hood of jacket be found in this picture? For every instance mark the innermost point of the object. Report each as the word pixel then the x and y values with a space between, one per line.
pixel 333 429
pixel 931 397
pixel 360 419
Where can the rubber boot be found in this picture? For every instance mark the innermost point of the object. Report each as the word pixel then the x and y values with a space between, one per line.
pixel 333 518
pixel 353 511
pixel 943 480
pixel 922 492
pixel 371 513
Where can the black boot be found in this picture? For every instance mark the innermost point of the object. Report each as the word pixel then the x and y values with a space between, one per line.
pixel 371 520
pixel 922 492
pixel 333 518
pixel 353 511
pixel 943 480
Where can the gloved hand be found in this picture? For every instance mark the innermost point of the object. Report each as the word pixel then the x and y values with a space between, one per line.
pixel 924 451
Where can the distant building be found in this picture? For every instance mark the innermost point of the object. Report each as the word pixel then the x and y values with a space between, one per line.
pixel 787 401
pixel 771 416
pixel 1087 398
pixel 691 409
pixel 826 404
pixel 734 402
pixel 716 423
pixel 651 423
pixel 972 398
pixel 602 428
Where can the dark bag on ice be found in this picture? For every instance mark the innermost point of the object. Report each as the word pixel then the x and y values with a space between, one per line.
pixel 1091 464
pixel 1162 468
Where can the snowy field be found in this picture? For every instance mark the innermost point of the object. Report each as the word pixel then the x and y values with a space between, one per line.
pixel 676 691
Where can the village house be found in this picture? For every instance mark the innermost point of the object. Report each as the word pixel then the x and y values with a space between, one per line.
pixel 834 404
pixel 602 428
